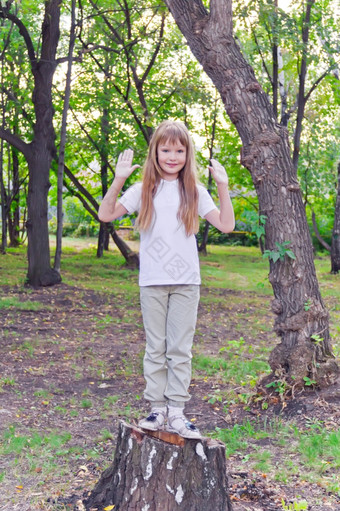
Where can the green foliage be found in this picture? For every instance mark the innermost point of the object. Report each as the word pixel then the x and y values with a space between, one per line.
pixel 280 386
pixel 77 221
pixel 280 253
pixel 6 382
pixel 295 506
pixel 254 222
pixel 308 381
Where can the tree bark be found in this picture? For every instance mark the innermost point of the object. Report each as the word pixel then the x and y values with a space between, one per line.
pixel 335 247
pixel 3 202
pixel 151 474
pixel 266 154
pixel 14 216
pixel 62 145
pixel 302 82
pixel 103 237
pixel 275 49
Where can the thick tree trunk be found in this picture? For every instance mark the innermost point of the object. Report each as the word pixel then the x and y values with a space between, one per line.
pixel 39 271
pixel 301 314
pixel 40 152
pixel 335 248
pixel 151 474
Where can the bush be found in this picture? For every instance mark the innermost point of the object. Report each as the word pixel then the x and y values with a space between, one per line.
pixel 216 237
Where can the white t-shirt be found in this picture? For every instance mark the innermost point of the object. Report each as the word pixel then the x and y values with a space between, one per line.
pixel 167 255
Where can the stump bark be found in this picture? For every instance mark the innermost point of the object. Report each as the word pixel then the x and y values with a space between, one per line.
pixel 163 472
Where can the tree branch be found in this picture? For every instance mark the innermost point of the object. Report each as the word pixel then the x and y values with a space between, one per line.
pixel 81 188
pixel 155 53
pixel 15 141
pixel 82 200
pixel 318 235
pixel 315 84
pixel 13 98
pixel 4 13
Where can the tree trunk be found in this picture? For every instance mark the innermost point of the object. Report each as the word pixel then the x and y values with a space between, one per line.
pixel 318 235
pixel 275 49
pixel 205 236
pixel 335 248
pixel 14 216
pixel 132 258
pixel 103 240
pixel 266 154
pixel 41 151
pixel 203 246
pixel 103 237
pixel 150 474
pixel 302 82
pixel 39 272
pixel 62 145
pixel 100 244
pixel 3 202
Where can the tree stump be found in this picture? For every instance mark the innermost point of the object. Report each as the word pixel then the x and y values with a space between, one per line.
pixel 160 471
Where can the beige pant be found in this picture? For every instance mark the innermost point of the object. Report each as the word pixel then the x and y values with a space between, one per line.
pixel 169 316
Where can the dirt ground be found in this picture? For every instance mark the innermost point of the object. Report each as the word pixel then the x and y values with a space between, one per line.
pixel 71 350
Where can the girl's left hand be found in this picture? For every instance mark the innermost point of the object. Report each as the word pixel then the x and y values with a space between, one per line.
pixel 218 172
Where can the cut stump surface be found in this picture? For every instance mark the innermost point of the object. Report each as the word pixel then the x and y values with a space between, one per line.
pixel 160 471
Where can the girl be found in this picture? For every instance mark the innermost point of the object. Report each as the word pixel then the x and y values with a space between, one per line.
pixel 168 202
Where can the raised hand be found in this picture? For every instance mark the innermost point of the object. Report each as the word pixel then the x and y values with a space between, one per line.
pixel 218 172
pixel 124 167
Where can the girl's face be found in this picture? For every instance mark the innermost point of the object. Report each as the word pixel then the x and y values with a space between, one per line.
pixel 171 159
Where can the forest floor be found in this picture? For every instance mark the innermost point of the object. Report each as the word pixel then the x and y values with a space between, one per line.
pixel 71 369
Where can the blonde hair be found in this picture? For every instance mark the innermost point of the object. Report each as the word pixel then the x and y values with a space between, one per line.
pixel 170 132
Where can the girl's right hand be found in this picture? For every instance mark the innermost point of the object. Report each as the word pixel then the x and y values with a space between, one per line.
pixel 124 167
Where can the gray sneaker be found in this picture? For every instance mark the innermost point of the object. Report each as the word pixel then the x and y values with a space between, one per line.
pixel 154 422
pixel 179 424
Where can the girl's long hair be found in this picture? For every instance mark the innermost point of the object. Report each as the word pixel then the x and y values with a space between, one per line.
pixel 170 132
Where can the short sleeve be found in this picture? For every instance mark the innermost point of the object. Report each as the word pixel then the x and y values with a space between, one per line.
pixel 205 202
pixel 131 199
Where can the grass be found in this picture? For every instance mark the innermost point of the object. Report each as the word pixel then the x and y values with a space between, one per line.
pixel 236 268
pixel 13 442
pixel 12 302
pixel 229 369
pixel 316 455
pixel 238 280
